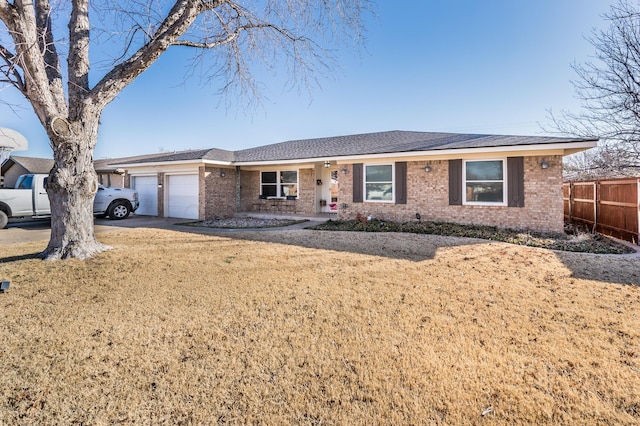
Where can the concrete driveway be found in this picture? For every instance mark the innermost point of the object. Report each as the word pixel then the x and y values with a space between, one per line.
pixel 23 231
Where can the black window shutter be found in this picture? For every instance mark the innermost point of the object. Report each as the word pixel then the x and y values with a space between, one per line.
pixel 357 182
pixel 401 182
pixel 515 181
pixel 455 182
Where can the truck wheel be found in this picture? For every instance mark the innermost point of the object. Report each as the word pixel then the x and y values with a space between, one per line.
pixel 119 210
pixel 4 219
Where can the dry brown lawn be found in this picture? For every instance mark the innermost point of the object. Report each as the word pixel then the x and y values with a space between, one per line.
pixel 313 327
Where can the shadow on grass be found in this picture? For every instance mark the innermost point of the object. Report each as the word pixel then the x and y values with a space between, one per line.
pixel 29 256
pixel 415 248
pixel 614 269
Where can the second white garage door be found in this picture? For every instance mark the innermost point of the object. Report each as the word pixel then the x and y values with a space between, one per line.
pixel 182 196
pixel 147 187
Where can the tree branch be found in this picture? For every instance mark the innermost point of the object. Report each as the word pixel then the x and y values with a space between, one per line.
pixel 78 60
pixel 6 10
pixel 11 70
pixel 46 42
pixel 180 17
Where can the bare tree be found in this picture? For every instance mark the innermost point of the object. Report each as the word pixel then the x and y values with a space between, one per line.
pixel 609 88
pixel 237 34
pixel 607 161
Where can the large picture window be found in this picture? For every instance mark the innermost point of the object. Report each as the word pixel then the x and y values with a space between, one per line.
pixel 484 182
pixel 378 182
pixel 279 184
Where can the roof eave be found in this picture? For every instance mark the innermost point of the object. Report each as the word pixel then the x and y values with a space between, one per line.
pixel 565 148
pixel 172 163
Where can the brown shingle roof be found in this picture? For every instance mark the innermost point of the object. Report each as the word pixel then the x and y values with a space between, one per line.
pixel 32 164
pixel 386 142
pixel 391 142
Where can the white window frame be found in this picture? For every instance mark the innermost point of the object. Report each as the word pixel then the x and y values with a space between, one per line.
pixel 503 181
pixel 278 182
pixel 393 183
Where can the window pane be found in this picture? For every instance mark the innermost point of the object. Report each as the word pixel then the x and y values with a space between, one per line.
pixel 269 190
pixel 269 177
pixel 485 192
pixel 484 170
pixel 24 182
pixel 289 177
pixel 289 190
pixel 379 191
pixel 379 173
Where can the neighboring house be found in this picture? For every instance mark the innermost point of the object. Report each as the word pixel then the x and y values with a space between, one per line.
pixel 108 175
pixel 15 166
pixel 506 181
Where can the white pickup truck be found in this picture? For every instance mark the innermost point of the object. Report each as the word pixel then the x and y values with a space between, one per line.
pixel 29 199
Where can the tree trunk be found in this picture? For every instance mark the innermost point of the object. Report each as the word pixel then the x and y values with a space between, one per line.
pixel 72 186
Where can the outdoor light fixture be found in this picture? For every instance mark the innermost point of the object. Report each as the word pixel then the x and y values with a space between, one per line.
pixel 544 164
pixel 327 164
pixel 427 168
pixel 159 185
pixel 344 170
pixel 418 217
pixel 222 173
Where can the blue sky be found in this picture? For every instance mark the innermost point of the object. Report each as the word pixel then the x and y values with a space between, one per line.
pixel 466 66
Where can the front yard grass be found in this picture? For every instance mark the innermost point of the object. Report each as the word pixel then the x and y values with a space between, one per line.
pixel 318 327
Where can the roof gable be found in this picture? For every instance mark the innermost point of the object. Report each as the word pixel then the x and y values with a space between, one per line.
pixel 31 164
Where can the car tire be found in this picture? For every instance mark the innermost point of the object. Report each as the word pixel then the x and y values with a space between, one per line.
pixel 4 219
pixel 119 210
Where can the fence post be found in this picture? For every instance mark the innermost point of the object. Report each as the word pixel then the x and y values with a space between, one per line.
pixel 596 186
pixel 570 202
pixel 638 211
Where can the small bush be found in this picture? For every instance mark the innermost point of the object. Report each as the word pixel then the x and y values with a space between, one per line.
pixel 577 241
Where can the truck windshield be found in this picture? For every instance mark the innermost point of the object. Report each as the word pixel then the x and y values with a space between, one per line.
pixel 24 182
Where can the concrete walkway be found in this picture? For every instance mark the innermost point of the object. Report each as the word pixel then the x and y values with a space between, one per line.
pixel 31 231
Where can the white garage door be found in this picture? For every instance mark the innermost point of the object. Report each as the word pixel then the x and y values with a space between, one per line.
pixel 147 187
pixel 182 196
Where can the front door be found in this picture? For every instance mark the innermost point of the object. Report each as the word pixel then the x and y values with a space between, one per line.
pixel 333 192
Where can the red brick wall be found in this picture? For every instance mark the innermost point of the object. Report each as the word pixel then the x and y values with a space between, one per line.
pixel 250 191
pixel 218 192
pixel 160 177
pixel 306 201
pixel 428 194
pixel 111 179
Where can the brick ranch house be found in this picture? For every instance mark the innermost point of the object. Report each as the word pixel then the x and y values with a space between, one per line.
pixel 505 181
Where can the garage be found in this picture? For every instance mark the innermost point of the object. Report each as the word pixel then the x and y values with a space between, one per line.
pixel 147 187
pixel 182 196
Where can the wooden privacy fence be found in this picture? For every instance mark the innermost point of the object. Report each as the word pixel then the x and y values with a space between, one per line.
pixel 608 206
